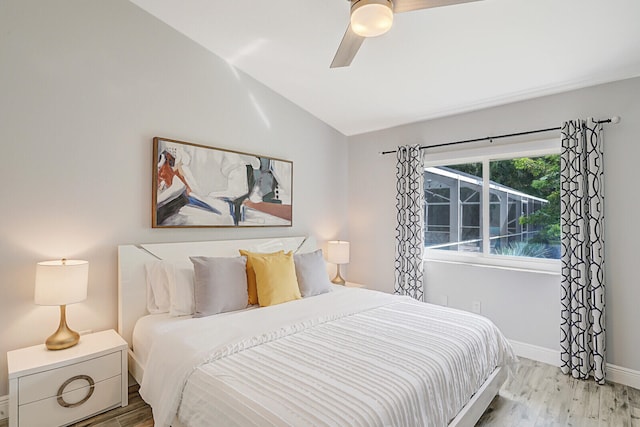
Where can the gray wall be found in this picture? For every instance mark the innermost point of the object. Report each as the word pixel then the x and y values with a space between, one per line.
pixel 524 305
pixel 84 87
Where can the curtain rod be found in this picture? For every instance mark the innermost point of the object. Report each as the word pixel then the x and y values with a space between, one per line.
pixel 614 120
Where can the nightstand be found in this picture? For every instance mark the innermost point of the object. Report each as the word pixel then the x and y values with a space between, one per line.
pixel 55 388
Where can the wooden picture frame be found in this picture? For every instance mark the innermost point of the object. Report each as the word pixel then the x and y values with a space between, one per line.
pixel 200 186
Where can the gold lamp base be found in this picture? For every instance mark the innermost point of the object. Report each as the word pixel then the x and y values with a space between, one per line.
pixel 338 280
pixel 64 337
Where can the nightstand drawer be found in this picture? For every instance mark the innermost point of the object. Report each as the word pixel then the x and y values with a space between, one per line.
pixel 48 412
pixel 46 384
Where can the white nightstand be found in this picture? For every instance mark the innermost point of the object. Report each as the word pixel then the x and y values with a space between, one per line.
pixel 55 388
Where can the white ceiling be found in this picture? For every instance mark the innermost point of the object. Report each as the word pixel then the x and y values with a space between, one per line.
pixel 433 62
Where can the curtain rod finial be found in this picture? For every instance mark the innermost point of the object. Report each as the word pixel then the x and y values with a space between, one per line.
pixel 615 120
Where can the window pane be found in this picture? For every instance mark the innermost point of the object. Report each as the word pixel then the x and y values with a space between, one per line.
pixel 453 213
pixel 525 214
pixel 439 215
pixel 438 195
pixel 494 212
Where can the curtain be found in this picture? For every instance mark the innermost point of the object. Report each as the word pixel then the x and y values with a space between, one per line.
pixel 410 227
pixel 582 220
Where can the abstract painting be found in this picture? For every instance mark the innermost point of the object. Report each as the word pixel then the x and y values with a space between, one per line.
pixel 199 186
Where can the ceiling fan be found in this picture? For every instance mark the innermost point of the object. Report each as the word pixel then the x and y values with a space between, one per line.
pixel 371 18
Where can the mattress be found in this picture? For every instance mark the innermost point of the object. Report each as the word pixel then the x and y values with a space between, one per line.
pixel 350 357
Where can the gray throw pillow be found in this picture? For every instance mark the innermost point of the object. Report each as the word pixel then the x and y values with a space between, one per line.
pixel 220 285
pixel 311 272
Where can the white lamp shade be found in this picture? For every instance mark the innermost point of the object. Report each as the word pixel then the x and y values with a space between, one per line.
pixel 371 18
pixel 338 252
pixel 61 282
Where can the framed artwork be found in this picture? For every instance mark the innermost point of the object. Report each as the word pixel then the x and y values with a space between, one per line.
pixel 199 186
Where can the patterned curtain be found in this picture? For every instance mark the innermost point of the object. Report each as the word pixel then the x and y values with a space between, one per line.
pixel 410 215
pixel 582 218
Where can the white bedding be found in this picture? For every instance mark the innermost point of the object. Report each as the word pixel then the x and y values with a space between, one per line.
pixel 349 357
pixel 155 326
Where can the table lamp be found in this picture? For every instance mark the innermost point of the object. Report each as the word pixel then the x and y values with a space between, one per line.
pixel 338 253
pixel 60 283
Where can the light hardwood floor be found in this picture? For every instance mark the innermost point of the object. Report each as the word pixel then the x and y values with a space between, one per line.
pixel 536 395
pixel 540 395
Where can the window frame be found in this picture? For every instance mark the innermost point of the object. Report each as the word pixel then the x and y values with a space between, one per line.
pixel 485 155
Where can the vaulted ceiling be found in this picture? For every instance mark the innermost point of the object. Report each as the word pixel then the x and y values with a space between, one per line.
pixel 432 63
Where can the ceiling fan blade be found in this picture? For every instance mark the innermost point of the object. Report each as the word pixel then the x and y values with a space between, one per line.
pixel 348 48
pixel 400 6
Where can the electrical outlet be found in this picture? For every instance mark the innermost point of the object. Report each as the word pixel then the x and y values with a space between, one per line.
pixel 475 306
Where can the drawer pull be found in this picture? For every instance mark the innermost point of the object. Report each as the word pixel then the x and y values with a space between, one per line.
pixel 65 404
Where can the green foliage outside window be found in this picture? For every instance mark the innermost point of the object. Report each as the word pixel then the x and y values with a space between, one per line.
pixel 540 177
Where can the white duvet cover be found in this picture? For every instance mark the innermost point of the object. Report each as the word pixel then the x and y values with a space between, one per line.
pixel 351 357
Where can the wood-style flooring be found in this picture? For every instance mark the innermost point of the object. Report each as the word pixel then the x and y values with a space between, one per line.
pixel 540 395
pixel 536 395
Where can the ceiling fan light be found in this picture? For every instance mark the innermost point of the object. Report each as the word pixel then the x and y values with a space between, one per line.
pixel 370 18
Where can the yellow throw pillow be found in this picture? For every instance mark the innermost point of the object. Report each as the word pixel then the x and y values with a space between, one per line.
pixel 251 275
pixel 275 279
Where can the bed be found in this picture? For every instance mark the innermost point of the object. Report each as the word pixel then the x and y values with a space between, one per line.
pixel 345 357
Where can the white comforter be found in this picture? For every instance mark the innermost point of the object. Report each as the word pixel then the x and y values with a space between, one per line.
pixel 350 358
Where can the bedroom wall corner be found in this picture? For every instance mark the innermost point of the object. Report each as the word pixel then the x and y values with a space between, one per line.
pixel 85 87
pixel 372 217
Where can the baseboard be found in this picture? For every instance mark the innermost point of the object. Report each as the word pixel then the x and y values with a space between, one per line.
pixel 534 352
pixel 616 374
pixel 4 407
pixel 625 376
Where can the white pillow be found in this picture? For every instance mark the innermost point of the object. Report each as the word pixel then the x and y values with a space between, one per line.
pixel 170 288
pixel 181 288
pixel 158 296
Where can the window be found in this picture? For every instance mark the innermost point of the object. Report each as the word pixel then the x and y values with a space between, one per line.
pixel 497 207
pixel 453 202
